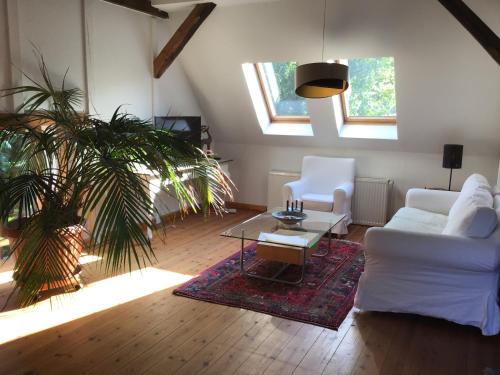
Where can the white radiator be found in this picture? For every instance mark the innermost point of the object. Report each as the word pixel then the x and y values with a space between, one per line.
pixel 370 205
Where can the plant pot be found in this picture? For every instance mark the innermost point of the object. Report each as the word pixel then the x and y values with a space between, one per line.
pixel 13 230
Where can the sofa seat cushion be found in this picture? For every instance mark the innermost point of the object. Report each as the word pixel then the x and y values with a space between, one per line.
pixel 415 220
pixel 318 202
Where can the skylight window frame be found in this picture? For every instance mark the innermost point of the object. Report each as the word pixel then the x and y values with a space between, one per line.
pixel 274 118
pixel 362 120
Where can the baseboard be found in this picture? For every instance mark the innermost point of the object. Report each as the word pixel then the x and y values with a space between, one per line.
pixel 246 206
pixel 172 216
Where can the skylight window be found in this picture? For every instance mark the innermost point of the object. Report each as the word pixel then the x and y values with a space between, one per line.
pixel 277 83
pixel 371 96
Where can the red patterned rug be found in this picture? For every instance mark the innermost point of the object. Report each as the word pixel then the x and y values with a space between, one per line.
pixel 324 298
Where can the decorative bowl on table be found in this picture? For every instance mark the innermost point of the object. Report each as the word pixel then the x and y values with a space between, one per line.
pixel 289 217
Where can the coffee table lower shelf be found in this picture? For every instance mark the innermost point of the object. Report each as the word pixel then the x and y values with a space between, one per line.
pixel 288 255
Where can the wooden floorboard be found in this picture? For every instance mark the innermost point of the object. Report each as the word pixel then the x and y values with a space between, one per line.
pixel 158 333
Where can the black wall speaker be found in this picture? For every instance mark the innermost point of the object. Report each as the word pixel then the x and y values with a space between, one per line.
pixel 452 156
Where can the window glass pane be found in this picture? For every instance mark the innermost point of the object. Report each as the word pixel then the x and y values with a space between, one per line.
pixel 279 81
pixel 372 91
pixel 10 157
pixel 9 154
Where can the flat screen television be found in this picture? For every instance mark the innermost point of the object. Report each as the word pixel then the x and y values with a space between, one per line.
pixel 187 126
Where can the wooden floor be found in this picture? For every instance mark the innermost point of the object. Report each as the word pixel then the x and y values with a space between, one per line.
pixel 158 333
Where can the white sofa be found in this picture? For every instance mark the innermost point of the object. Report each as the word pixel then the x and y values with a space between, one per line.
pixel 438 256
pixel 326 184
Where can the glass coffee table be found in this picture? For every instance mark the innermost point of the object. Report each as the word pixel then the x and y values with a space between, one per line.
pixel 287 244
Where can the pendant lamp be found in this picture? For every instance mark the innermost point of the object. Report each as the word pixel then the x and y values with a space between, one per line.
pixel 321 79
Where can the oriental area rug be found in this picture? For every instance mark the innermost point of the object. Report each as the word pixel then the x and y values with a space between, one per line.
pixel 324 298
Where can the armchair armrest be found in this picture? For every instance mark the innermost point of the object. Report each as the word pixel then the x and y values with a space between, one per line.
pixel 433 250
pixel 293 190
pixel 438 201
pixel 342 197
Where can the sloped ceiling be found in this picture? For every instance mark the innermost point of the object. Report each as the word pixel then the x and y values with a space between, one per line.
pixel 175 5
pixel 448 87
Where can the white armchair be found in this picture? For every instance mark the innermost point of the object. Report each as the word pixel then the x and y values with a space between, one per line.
pixel 326 184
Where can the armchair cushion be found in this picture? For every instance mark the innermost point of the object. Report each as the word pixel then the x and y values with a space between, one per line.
pixel 318 202
pixel 323 175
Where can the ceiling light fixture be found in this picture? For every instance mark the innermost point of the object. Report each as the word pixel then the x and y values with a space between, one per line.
pixel 322 79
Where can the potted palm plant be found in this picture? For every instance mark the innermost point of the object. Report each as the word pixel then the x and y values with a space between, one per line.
pixel 68 164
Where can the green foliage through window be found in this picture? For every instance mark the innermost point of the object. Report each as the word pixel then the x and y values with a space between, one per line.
pixel 9 166
pixel 372 91
pixel 279 83
pixel 9 157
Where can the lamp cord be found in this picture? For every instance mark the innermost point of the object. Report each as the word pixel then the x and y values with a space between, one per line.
pixel 324 23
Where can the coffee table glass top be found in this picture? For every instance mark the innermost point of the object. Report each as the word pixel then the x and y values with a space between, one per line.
pixel 265 228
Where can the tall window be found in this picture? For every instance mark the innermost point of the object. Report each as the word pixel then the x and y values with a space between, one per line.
pixel 9 166
pixel 277 82
pixel 371 96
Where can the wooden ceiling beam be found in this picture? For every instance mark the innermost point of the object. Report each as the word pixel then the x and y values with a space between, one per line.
pixel 181 37
pixel 479 30
pixel 143 6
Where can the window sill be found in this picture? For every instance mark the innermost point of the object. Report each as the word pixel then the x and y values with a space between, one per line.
pixel 292 129
pixel 369 131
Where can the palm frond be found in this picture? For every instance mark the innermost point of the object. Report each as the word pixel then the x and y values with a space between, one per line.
pixel 68 165
pixel 123 211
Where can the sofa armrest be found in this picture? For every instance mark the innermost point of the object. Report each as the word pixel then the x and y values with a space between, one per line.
pixel 434 250
pixel 438 201
pixel 292 191
pixel 342 197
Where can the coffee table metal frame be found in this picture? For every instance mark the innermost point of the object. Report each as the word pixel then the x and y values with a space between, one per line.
pixel 276 275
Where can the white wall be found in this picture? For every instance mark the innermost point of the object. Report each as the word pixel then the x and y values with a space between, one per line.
pixel 447 87
pixel 252 164
pixel 120 60
pixel 109 51
pixel 59 38
pixel 5 104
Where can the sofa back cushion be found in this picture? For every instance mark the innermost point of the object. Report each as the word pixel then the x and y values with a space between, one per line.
pixel 496 190
pixel 472 214
pixel 495 236
pixel 496 206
